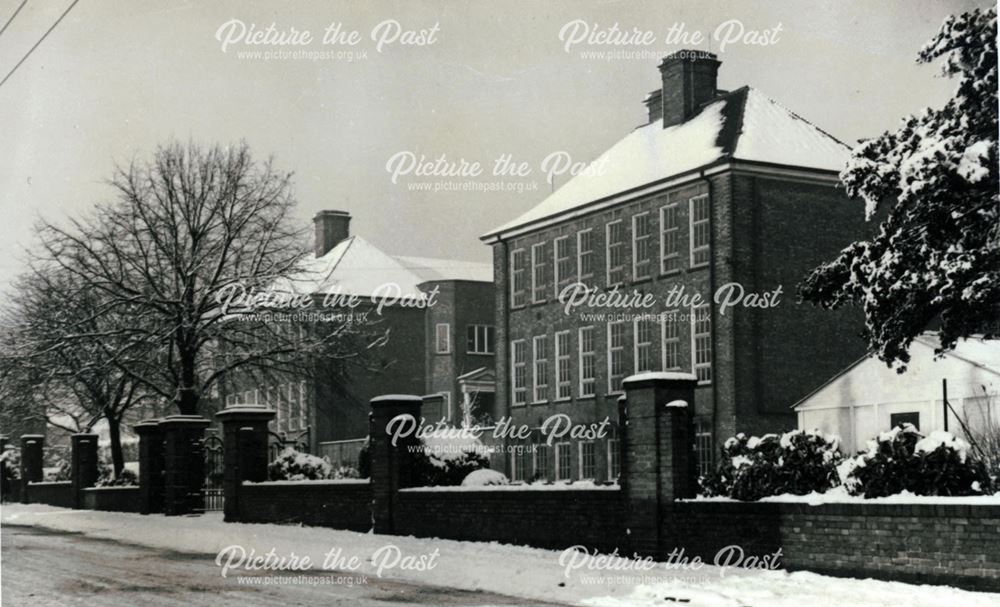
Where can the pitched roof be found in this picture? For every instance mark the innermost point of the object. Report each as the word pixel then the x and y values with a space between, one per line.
pixel 973 350
pixel 742 125
pixel 357 267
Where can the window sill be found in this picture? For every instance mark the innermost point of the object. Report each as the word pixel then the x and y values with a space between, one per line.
pixel 700 266
pixel 540 402
pixel 481 353
pixel 671 272
pixel 615 394
pixel 586 397
pixel 564 399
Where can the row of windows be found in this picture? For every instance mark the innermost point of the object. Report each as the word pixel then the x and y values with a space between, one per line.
pixel 530 277
pixel 542 462
pixel 478 339
pixel 288 400
pixel 643 356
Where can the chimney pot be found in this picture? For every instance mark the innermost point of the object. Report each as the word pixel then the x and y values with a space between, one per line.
pixel 689 79
pixel 332 228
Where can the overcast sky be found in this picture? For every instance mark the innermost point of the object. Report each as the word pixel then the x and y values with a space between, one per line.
pixel 116 78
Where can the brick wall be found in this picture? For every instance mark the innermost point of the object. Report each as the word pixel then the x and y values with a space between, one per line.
pixel 59 493
pixel 111 499
pixel 544 519
pixel 340 505
pixel 936 544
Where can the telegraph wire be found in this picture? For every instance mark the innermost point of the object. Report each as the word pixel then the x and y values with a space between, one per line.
pixel 40 40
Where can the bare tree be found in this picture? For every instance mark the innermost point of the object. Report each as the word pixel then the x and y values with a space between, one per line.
pixel 184 229
pixel 64 356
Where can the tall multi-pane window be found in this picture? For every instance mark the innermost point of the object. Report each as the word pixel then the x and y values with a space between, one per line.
pixel 584 254
pixel 543 461
pixel 519 371
pixel 563 355
pixel 615 239
pixel 538 265
pixel 564 462
pixel 700 236
pixel 644 359
pixel 523 464
pixel 563 263
pixel 479 339
pixel 518 278
pixel 588 367
pixel 540 375
pixel 701 342
pixel 703 446
pixel 614 459
pixel 303 406
pixel 642 246
pixel 670 229
pixel 515 466
pixel 616 355
pixel 272 404
pixel 588 460
pixel 293 406
pixel 443 338
pixel 670 333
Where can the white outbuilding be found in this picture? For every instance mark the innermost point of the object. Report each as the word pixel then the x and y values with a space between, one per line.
pixel 868 397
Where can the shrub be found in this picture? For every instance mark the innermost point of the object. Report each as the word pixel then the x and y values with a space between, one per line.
pixel 60 472
pixel 446 462
pixel 10 459
pixel 902 459
pixel 345 472
pixel 797 462
pixel 485 477
pixel 293 465
pixel 106 478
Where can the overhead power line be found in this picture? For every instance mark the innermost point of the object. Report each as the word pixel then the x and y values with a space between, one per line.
pixel 4 28
pixel 40 40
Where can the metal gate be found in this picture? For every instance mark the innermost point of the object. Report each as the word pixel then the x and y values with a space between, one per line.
pixel 213 472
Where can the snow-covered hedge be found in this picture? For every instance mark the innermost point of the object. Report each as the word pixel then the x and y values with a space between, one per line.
pixel 484 478
pixel 106 478
pixel 59 472
pixel 902 459
pixel 10 459
pixel 447 462
pixel 796 462
pixel 294 465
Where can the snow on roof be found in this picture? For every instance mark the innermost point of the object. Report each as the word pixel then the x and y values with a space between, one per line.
pixel 448 269
pixel 772 133
pixel 357 267
pixel 984 353
pixel 742 125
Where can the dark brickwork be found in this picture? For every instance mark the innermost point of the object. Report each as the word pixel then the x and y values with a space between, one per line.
pixel 58 493
pixel 928 544
pixel 460 304
pixel 150 466
pixel 545 519
pixel 323 504
pixel 83 465
pixel 112 499
pixel 184 464
pixel 761 364
pixel 32 447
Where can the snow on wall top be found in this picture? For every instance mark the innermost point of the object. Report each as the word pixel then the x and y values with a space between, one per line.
pixel 742 125
pixel 357 267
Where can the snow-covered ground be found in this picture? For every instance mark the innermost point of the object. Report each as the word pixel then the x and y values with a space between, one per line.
pixel 529 573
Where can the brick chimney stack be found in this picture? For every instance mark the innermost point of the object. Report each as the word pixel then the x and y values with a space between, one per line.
pixel 689 79
pixel 332 227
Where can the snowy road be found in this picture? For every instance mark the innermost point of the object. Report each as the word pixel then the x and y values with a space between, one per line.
pixel 43 568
